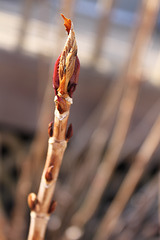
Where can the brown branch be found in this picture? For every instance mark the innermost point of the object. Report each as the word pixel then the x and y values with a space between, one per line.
pixel 126 109
pixel 65 76
pixel 130 182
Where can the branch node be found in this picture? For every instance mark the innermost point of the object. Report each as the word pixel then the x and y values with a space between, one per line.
pixel 61 116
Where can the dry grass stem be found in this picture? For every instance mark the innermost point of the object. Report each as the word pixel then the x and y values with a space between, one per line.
pixel 103 114
pixel 130 182
pixel 26 11
pixel 66 72
pixel 105 9
pixel 106 168
pixel 135 138
pixel 97 143
pixel 34 157
pixel 141 203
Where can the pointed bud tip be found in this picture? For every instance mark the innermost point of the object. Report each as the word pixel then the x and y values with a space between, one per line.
pixel 50 129
pixel 67 23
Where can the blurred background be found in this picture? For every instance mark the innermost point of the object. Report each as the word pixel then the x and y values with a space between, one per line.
pixel 108 185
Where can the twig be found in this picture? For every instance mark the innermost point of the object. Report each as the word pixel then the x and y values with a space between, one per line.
pixel 97 144
pixel 80 178
pixel 141 202
pixel 34 157
pixel 136 137
pixel 35 154
pixel 127 105
pixel 65 80
pixel 27 7
pixel 130 182
pixel 155 75
pixel 105 10
pixel 99 120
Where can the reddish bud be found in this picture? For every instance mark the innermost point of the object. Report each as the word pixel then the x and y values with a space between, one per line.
pixel 69 133
pixel 73 81
pixel 59 72
pixel 56 75
pixel 32 200
pixel 48 174
pixel 52 207
pixel 50 129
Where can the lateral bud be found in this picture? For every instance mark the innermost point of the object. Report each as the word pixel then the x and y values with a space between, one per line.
pixel 50 129
pixel 48 174
pixel 69 133
pixel 32 201
pixel 52 207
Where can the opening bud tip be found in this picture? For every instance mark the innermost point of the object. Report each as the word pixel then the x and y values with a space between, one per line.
pixel 67 23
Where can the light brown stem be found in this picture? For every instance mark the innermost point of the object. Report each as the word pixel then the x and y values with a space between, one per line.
pixel 130 182
pixel 57 144
pixel 42 205
pixel 40 215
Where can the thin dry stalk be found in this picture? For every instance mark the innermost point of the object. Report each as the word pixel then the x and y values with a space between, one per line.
pixel 130 182
pixel 34 157
pixel 26 11
pixel 142 201
pixel 127 105
pixel 105 10
pixel 135 138
pixel 109 161
pixel 97 144
pixel 98 124
pixel 65 79
pixel 155 75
